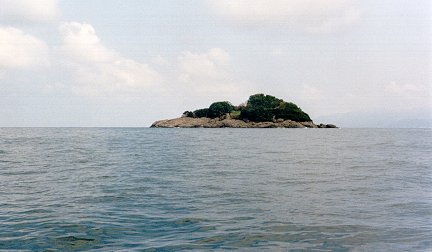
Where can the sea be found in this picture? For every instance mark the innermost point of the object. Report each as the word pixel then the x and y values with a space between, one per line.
pixel 147 189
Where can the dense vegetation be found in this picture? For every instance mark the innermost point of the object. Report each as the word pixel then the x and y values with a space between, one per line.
pixel 201 112
pixel 259 108
pixel 218 109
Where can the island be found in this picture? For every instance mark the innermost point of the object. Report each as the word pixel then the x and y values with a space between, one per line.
pixel 260 111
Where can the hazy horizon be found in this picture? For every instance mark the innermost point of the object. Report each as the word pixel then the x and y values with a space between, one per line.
pixel 128 63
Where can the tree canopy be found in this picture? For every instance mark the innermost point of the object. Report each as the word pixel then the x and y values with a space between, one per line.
pixel 258 108
pixel 218 109
pixel 288 110
pixel 201 112
pixel 262 108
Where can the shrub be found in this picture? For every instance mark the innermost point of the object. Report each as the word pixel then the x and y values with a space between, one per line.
pixel 263 101
pixel 258 114
pixel 290 111
pixel 188 114
pixel 262 108
pixel 218 109
pixel 201 112
pixel 235 114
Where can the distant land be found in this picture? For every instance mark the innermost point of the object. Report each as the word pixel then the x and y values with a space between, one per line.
pixel 260 111
pixel 388 119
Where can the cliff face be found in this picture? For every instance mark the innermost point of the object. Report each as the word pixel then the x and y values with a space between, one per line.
pixel 188 122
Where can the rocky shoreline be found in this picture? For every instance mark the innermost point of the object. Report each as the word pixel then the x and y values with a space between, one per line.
pixel 204 122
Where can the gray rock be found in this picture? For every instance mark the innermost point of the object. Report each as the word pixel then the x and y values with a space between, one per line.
pixel 291 124
pixel 326 126
pixel 309 124
pixel 203 122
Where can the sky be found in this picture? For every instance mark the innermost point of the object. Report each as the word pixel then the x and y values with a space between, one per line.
pixel 127 63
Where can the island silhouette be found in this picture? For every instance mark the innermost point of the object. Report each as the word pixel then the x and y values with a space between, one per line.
pixel 260 111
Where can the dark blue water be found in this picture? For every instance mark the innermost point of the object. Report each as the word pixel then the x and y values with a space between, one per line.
pixel 215 189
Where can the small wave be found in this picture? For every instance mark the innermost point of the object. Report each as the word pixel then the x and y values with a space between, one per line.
pixel 74 238
pixel 188 221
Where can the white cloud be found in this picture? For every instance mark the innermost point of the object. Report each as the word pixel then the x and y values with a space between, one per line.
pixel 98 70
pixel 160 61
pixel 207 72
pixel 206 65
pixel 28 10
pixel 313 16
pixel 20 50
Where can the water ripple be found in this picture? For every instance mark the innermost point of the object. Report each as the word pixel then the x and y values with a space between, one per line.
pixel 173 190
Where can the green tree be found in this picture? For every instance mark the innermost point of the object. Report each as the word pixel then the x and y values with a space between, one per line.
pixel 188 114
pixel 218 109
pixel 258 114
pixel 261 108
pixel 290 111
pixel 201 112
pixel 263 101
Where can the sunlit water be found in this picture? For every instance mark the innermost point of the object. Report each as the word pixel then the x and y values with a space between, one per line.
pixel 205 189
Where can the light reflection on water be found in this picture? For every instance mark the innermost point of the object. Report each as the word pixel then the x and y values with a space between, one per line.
pixel 185 189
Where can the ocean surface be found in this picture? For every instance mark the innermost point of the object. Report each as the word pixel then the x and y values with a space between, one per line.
pixel 143 189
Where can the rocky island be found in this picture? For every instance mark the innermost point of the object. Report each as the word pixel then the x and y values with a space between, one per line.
pixel 260 111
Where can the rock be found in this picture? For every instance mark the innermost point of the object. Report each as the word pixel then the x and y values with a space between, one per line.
pixel 203 122
pixel 291 124
pixel 309 124
pixel 232 123
pixel 327 126
pixel 183 122
pixel 265 125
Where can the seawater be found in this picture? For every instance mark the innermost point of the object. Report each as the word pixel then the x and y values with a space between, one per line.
pixel 110 189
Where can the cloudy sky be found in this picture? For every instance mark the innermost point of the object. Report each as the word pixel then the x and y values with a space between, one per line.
pixel 358 63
